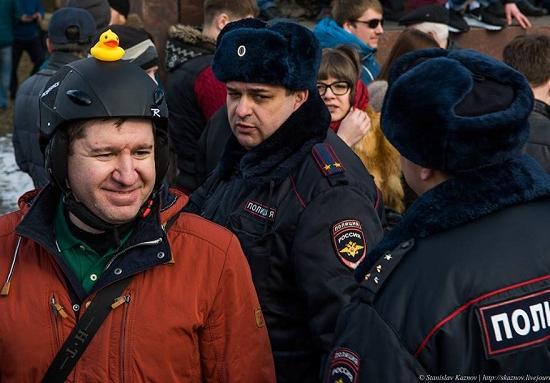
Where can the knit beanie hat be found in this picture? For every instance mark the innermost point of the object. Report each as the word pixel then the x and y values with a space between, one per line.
pixel 99 9
pixel 121 6
pixel 137 44
pixel 282 53
pixel 456 110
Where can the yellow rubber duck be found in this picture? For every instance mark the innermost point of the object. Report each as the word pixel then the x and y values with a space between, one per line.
pixel 107 49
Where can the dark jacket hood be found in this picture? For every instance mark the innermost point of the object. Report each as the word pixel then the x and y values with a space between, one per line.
pixel 462 199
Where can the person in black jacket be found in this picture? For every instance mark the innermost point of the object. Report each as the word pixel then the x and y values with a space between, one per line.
pixel 70 34
pixel 530 55
pixel 460 288
pixel 193 93
pixel 302 204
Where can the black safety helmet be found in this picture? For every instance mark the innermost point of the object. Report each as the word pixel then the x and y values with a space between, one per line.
pixel 88 89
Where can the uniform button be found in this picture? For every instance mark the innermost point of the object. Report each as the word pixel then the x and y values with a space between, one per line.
pixel 118 271
pixel 160 255
pixel 93 277
pixel 76 307
pixel 82 247
pixel 405 244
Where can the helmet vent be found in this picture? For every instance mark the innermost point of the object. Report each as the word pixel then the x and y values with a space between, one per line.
pixel 79 97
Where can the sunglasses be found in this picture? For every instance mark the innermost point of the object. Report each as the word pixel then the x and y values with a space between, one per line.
pixel 372 24
pixel 338 88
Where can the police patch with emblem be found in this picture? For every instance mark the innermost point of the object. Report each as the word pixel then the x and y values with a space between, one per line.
pixel 349 242
pixel 343 367
pixel 515 324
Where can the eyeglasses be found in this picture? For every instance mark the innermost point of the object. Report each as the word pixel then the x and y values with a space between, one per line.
pixel 338 88
pixel 372 24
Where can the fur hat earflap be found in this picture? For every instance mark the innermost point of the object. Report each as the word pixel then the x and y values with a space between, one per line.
pixel 456 111
pixel 283 53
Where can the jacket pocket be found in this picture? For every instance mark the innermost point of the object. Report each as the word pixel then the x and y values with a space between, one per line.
pixel 256 238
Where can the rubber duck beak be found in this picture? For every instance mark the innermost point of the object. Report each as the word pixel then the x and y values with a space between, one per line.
pixel 111 43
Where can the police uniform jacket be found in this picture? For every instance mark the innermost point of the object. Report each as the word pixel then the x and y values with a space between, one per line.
pixel 460 289
pixel 305 210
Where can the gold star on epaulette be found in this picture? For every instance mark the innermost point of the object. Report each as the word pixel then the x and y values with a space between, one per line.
pixel 388 257
pixel 327 167
pixel 338 164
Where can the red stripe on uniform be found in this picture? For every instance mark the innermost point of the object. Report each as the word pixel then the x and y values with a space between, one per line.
pixel 472 302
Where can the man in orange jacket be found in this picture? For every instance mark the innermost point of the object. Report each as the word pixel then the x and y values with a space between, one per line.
pixel 189 312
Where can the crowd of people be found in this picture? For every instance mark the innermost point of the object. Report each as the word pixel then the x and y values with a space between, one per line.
pixel 280 207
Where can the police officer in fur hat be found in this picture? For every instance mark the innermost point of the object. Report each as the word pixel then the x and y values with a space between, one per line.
pixel 461 286
pixel 301 203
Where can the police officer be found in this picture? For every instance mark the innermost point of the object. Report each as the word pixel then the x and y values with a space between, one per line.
pixel 301 203
pixel 460 288
pixel 105 240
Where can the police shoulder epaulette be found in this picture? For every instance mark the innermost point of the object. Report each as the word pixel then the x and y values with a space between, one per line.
pixel 327 160
pixel 382 269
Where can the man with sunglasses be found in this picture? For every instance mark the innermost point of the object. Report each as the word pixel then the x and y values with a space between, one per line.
pixel 358 23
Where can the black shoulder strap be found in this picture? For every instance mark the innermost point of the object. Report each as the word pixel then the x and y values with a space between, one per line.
pixel 83 333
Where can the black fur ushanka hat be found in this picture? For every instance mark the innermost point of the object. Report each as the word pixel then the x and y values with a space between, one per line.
pixel 456 111
pixel 284 53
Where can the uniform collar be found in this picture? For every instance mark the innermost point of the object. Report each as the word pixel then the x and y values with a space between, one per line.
pixel 462 199
pixel 274 158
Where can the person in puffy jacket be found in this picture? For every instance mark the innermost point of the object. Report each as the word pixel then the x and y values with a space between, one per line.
pixel 187 312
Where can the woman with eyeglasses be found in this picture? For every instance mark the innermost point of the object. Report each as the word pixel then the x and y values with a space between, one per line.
pixel 356 123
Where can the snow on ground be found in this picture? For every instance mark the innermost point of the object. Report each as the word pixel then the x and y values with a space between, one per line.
pixel 13 182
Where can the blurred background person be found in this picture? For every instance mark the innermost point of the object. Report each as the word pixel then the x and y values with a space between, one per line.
pixel 8 16
pixel 357 124
pixel 530 55
pixel 70 33
pixel 409 40
pixel 119 11
pixel 27 37
pixel 193 93
pixel 99 9
pixel 358 23
pixel 139 48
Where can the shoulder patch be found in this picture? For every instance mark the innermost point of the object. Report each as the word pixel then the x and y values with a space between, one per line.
pixel 349 242
pixel 383 267
pixel 343 366
pixel 515 324
pixel 327 160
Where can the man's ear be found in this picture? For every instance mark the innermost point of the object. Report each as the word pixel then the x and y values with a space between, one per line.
pixel 300 97
pixel 425 174
pixel 222 20
pixel 348 27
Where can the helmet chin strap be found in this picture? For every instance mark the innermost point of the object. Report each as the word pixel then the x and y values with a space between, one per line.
pixel 89 218
pixel 84 214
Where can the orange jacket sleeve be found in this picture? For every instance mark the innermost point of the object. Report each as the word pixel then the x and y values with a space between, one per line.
pixel 234 344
